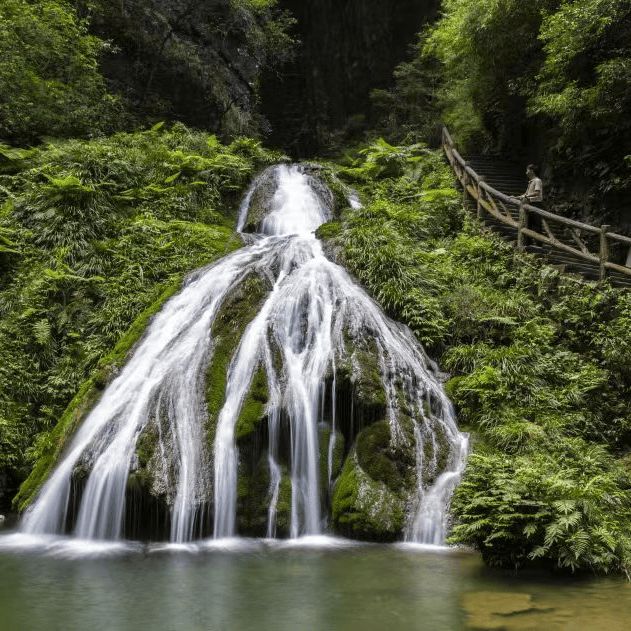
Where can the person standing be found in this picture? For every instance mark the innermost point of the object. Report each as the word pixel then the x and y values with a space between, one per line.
pixel 534 192
pixel 534 197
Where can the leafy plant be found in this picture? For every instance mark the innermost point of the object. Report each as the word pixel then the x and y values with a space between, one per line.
pixel 538 368
pixel 49 78
pixel 95 232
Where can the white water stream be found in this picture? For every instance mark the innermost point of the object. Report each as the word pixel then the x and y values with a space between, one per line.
pixel 311 312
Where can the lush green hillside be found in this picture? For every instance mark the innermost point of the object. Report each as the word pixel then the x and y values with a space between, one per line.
pixel 96 233
pixel 538 365
pixel 92 234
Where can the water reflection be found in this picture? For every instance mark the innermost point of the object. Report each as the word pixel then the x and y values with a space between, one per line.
pixel 315 583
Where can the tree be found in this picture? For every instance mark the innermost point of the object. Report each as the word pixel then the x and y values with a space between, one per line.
pixel 553 76
pixel 584 87
pixel 50 84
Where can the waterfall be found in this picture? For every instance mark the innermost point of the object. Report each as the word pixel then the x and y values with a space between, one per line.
pixel 310 314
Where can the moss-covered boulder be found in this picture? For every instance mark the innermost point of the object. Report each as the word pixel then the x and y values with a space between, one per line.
pixel 365 508
pixel 384 460
pixel 260 200
pixel 238 309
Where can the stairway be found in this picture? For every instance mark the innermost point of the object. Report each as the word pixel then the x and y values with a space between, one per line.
pixel 509 177
pixel 506 176
pixel 503 175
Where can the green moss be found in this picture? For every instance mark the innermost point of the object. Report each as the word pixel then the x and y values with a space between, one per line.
pixel 366 509
pixel 444 448
pixel 328 230
pixel 283 507
pixel 146 445
pixel 358 378
pixel 239 308
pixel 339 190
pixel 253 500
pixel 253 408
pixel 380 460
pixel 369 391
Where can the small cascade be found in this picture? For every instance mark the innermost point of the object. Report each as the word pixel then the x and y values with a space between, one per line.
pixel 321 357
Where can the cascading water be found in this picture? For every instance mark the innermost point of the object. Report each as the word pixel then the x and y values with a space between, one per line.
pixel 305 328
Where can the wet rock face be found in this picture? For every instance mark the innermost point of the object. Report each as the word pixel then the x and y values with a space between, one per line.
pixel 262 197
pixel 346 50
pixel 261 200
pixel 182 60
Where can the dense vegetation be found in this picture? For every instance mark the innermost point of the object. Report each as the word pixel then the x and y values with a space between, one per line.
pixel 543 80
pixel 49 78
pixel 99 225
pixel 93 233
pixel 537 360
pixel 91 68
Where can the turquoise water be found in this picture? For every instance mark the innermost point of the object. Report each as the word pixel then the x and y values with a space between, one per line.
pixel 51 584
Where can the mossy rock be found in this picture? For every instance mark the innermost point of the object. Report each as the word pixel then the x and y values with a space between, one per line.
pixel 328 230
pixel 146 445
pixel 238 309
pixel 360 395
pixel 339 190
pixel 283 507
pixel 369 390
pixel 364 508
pixel 260 201
pixel 254 497
pixel 253 408
pixel 383 461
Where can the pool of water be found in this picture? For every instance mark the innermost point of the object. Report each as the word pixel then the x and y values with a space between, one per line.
pixel 55 583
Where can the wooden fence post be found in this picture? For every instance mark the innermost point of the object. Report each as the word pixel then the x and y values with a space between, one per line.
pixel 479 194
pixel 464 185
pixel 604 251
pixel 523 223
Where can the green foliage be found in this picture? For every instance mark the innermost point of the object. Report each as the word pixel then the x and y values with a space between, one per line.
pixel 585 86
pixel 559 66
pixel 409 110
pixel 570 507
pixel 539 366
pixel 489 51
pixel 49 78
pixel 99 231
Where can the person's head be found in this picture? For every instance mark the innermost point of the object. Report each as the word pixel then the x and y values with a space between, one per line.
pixel 532 170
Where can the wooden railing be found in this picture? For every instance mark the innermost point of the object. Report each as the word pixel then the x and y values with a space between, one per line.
pixel 590 244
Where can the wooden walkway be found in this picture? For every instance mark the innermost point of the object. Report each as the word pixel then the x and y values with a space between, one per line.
pixel 593 252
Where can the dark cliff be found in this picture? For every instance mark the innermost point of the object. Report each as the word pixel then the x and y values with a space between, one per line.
pixel 230 67
pixel 348 47
pixel 197 62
